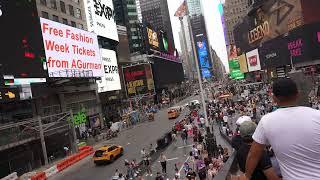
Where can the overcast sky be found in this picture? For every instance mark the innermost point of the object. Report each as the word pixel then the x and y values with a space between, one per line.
pixel 213 22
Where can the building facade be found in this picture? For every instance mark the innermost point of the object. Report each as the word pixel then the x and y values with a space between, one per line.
pixel 156 13
pixel 234 11
pixel 53 103
pixel 69 12
pixel 199 33
pixel 126 15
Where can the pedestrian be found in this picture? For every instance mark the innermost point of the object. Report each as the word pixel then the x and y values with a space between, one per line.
pixel 159 176
pixel 163 162
pixel 143 154
pixel 191 175
pixel 211 172
pixel 186 167
pixel 121 177
pixel 195 151
pixel 148 166
pixel 151 149
pixel 293 133
pixel 264 170
pixel 184 137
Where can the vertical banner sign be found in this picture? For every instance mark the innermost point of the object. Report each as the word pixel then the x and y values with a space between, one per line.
pixel 111 80
pixel 70 52
pixel 203 55
pixel 100 18
pixel 138 80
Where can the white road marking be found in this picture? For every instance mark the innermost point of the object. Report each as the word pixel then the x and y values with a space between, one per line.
pixel 183 164
pixel 171 159
pixel 185 146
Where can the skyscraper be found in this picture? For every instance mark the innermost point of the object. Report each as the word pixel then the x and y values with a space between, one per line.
pixel 234 11
pixel 199 34
pixel 156 13
pixel 126 15
pixel 65 11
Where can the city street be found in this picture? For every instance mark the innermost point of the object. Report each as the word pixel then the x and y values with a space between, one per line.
pixel 133 140
pixel 179 154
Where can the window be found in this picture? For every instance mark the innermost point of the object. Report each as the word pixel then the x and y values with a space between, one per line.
pixel 53 4
pixel 81 26
pixel 63 7
pixel 64 21
pixel 71 11
pixel 43 2
pixel 73 24
pixel 55 18
pixel 45 15
pixel 78 13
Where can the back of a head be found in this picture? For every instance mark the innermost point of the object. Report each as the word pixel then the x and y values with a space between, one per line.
pixel 284 89
pixel 247 129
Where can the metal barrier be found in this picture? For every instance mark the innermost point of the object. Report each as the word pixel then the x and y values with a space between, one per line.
pixel 230 166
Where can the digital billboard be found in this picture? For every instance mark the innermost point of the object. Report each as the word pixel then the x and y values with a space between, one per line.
pixel 111 79
pixel 153 39
pixel 253 60
pixel 274 53
pixel 100 18
pixel 167 72
pixel 138 80
pixel 22 52
pixel 203 55
pixel 269 20
pixel 70 52
pixel 243 63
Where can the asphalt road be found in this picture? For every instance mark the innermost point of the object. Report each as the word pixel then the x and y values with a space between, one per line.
pixel 133 140
pixel 179 154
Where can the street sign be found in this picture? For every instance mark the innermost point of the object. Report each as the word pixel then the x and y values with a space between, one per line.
pixel 9 94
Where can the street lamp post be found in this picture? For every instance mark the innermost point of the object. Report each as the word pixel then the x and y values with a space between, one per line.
pixel 199 78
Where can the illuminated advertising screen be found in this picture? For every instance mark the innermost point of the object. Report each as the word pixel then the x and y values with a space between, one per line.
pixel 153 39
pixel 138 80
pixel 253 60
pixel 203 55
pixel 22 52
pixel 100 18
pixel 70 52
pixel 268 21
pixel 111 79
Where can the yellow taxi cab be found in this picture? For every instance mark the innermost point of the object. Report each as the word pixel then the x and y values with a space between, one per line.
pixel 174 112
pixel 107 153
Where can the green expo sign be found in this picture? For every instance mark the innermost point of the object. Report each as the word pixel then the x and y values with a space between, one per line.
pixel 79 118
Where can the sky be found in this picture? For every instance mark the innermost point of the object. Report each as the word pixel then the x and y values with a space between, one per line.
pixel 213 23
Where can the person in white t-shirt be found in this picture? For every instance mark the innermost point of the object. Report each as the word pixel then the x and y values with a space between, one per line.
pixel 294 134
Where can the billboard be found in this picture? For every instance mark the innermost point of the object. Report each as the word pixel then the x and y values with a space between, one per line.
pixel 111 79
pixel 138 80
pixel 274 53
pixel 243 63
pixel 70 52
pixel 100 18
pixel 22 52
pixel 167 72
pixel 253 60
pixel 269 20
pixel 153 39
pixel 301 45
pixel 203 55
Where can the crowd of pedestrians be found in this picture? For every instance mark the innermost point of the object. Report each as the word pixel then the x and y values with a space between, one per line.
pixel 273 137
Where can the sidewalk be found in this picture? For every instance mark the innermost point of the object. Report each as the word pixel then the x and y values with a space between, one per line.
pixel 179 154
